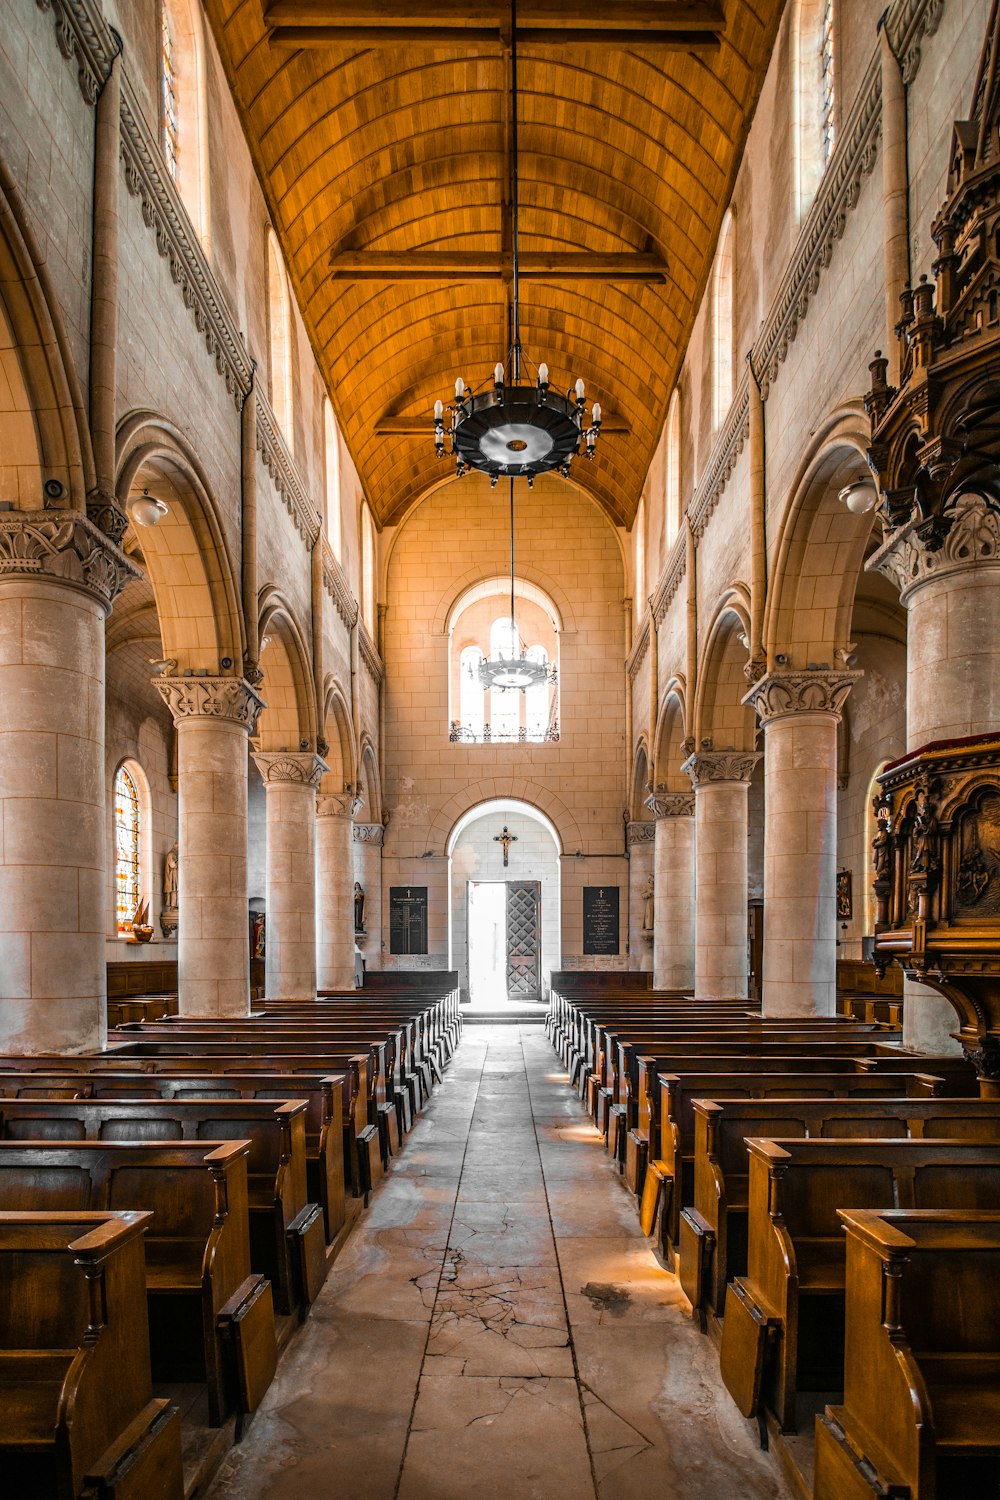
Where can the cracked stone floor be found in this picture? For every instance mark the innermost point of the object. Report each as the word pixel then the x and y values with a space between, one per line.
pixel 497 1325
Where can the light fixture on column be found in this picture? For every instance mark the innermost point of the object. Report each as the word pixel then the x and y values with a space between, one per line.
pixel 860 496
pixel 146 510
pixel 517 429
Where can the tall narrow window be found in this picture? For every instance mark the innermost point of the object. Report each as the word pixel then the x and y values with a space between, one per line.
pixel 368 569
pixel 472 694
pixel 331 436
pixel 828 122
pixel 280 330
pixel 128 850
pixel 168 92
pixel 672 477
pixel 536 699
pixel 722 325
pixel 639 536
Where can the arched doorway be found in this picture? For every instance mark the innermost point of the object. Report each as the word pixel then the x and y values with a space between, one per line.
pixel 504 912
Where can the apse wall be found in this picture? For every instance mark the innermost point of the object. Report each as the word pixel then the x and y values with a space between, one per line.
pixel 454 539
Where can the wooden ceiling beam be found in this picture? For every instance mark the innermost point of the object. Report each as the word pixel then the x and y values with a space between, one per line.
pixel 471 266
pixel 424 427
pixel 488 41
pixel 674 16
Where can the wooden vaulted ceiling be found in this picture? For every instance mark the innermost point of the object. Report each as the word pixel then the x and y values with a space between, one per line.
pixel 380 132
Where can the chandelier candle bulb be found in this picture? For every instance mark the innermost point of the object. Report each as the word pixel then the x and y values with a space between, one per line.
pixel 459 389
pixel 498 374
pixel 543 374
pixel 596 414
pixel 581 390
pixel 438 411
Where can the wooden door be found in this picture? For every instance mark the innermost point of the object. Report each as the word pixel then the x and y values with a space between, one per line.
pixel 524 939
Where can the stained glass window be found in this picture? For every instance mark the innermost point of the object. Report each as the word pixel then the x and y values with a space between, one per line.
pixel 127 824
pixel 829 78
pixel 168 89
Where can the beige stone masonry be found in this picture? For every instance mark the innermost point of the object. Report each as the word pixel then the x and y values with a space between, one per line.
pixel 721 781
pixel 290 785
pixel 335 877
pixel 673 873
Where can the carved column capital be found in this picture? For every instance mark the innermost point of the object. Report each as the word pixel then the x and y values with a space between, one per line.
pixel 779 694
pixel 670 805
pixel 984 1055
pixel 709 767
pixel 369 833
pixel 229 698
pixel 640 833
pixel 64 547
pixel 966 536
pixel 346 804
pixel 282 768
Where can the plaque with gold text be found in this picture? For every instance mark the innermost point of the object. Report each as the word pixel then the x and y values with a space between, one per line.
pixel 600 918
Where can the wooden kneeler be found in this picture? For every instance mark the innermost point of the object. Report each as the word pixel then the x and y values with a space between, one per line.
pixel 617 1131
pixel 697 1243
pixel 145 1465
pixel 246 1322
pixel 636 1156
pixel 307 1241
pixel 652 1199
pixel 749 1329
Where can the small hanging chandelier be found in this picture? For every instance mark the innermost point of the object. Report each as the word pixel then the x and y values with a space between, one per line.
pixel 514 669
pixel 517 429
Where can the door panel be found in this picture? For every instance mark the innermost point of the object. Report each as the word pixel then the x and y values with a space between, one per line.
pixel 524 958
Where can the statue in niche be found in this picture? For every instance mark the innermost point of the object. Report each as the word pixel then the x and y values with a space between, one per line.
pixel 258 938
pixel 647 904
pixel 168 914
pixel 359 907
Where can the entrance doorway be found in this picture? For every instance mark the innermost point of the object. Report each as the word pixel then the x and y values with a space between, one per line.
pixel 504 927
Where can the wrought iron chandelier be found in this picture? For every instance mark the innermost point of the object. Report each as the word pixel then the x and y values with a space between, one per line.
pixel 514 670
pixel 517 429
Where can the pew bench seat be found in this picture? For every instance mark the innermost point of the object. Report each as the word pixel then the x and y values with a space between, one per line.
pixel 964 1392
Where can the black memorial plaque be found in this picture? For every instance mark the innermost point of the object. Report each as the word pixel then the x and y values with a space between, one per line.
pixel 407 919
pixel 600 918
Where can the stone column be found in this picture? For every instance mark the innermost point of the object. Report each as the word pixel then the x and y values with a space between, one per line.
pixel 800 712
pixel 949 583
pixel 290 785
pixel 368 870
pixel 59 576
pixel 640 838
pixel 673 875
pixel 213 717
pixel 721 779
pixel 335 890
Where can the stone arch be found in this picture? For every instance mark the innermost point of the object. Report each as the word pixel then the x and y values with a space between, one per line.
pixel 288 721
pixel 495 585
pixel 640 784
pixel 720 714
pixel 185 554
pixel 338 731
pixel 671 732
pixel 43 423
pixel 821 549
pixel 504 789
pixel 371 781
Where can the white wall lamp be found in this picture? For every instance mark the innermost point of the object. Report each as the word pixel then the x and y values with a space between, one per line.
pixel 146 510
pixel 860 496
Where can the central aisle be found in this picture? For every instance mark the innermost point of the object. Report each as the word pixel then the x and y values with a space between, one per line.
pixel 498 1324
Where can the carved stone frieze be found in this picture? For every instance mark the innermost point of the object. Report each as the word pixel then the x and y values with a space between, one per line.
pixel 369 655
pixel 280 768
pixel 369 833
pixel 640 833
pixel 670 805
pixel 779 694
pixel 345 804
pixel 63 547
pixel 211 698
pixel 708 767
pixel 966 536
pixel 336 586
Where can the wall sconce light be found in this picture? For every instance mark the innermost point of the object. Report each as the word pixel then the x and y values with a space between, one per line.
pixel 860 496
pixel 146 510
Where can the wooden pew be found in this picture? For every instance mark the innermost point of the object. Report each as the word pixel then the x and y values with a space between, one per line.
pixel 713 1230
pixel 921 1409
pixel 805 1077
pixel 322 1095
pixel 209 1319
pixel 287 1243
pixel 784 1325
pixel 76 1396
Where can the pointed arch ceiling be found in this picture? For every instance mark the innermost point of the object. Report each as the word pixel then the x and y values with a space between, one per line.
pixel 626 155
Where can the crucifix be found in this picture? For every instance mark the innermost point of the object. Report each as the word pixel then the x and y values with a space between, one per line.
pixel 506 838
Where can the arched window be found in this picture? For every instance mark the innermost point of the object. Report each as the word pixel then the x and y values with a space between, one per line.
pixel 128 841
pixel 368 569
pixel 472 694
pixel 814 102
pixel 536 699
pixel 279 309
pixel 331 448
pixel 722 325
pixel 183 118
pixel 639 537
pixel 672 475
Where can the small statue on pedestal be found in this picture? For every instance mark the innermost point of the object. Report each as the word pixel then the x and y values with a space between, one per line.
pixel 359 907
pixel 648 904
pixel 168 914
